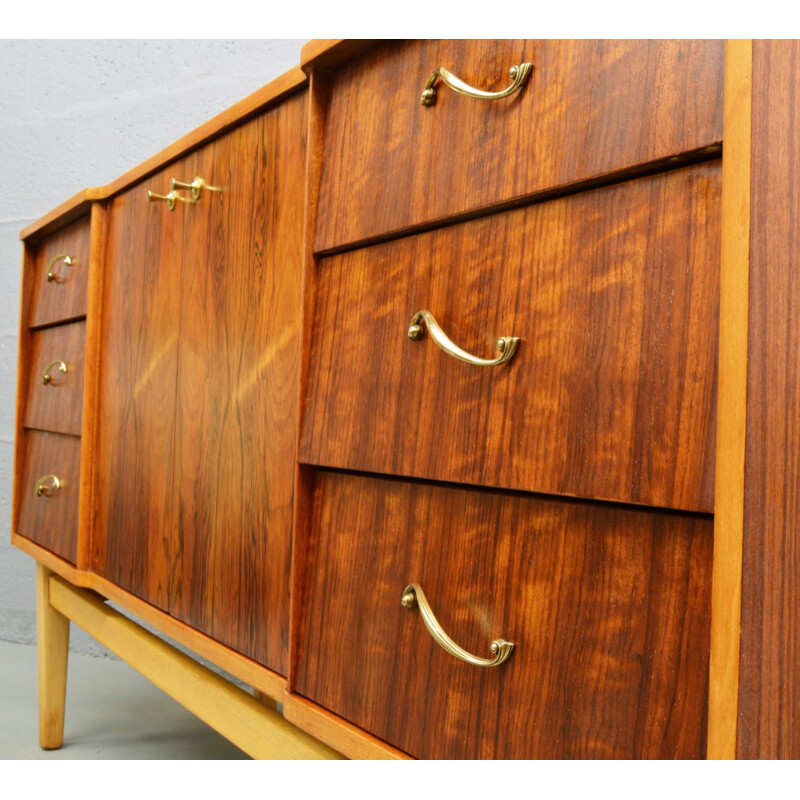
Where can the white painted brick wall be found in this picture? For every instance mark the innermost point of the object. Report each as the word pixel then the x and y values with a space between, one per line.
pixel 80 113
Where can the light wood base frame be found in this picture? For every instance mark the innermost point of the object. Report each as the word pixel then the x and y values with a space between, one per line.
pixel 254 726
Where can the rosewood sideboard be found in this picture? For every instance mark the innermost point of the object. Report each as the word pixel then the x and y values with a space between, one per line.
pixel 446 394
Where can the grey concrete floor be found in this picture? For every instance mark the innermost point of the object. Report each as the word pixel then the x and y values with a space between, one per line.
pixel 112 713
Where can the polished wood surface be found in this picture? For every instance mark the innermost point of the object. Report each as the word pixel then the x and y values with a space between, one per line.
pixel 611 395
pixel 769 681
pixel 265 97
pixel 337 732
pixel 258 730
pixel 52 650
pixel 608 608
pixel 51 521
pixel 589 108
pixel 64 298
pixel 133 500
pixel 244 669
pixel 58 405
pixel 731 404
pixel 237 387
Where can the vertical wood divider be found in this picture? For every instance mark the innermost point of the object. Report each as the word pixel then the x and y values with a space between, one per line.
pixel 316 111
pixel 98 236
pixel 726 600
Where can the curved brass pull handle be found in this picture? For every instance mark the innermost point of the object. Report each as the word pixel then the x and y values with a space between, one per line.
pixel 53 276
pixel 500 648
pixel 507 345
pixel 47 485
pixel 46 377
pixel 519 75
pixel 196 187
pixel 170 199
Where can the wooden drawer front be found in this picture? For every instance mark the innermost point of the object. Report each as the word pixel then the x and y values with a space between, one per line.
pixel 64 297
pixel 608 609
pixel 610 395
pixel 588 109
pixel 57 405
pixel 51 519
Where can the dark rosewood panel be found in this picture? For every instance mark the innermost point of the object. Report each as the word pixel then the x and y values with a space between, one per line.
pixel 57 406
pixel 590 108
pixel 64 297
pixel 769 683
pixel 611 395
pixel 608 608
pixel 237 387
pixel 134 512
pixel 51 519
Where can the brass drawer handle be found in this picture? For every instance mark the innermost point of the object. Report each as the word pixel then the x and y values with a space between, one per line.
pixel 47 377
pixel 196 187
pixel 519 75
pixel 54 276
pixel 170 199
pixel 500 648
pixel 507 345
pixel 48 485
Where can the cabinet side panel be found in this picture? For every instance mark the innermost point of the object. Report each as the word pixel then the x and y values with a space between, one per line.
pixel 136 415
pixel 769 681
pixel 237 387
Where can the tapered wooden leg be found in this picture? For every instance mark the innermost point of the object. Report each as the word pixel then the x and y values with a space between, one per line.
pixel 52 634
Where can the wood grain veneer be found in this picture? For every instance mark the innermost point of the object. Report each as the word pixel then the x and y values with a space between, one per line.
pixel 589 108
pixel 133 499
pixel 769 678
pixel 237 387
pixel 611 395
pixel 608 608
pixel 57 406
pixel 64 298
pixel 51 521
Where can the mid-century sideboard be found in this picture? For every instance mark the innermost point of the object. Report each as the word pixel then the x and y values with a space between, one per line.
pixel 447 393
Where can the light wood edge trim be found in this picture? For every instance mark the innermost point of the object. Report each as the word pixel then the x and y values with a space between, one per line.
pixel 23 369
pixel 349 740
pixel 247 722
pixel 97 255
pixel 331 53
pixel 726 596
pixel 288 83
pixel 245 669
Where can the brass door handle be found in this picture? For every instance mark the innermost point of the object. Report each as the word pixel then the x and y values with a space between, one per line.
pixel 54 276
pixel 519 75
pixel 507 345
pixel 196 187
pixel 47 485
pixel 46 377
pixel 500 648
